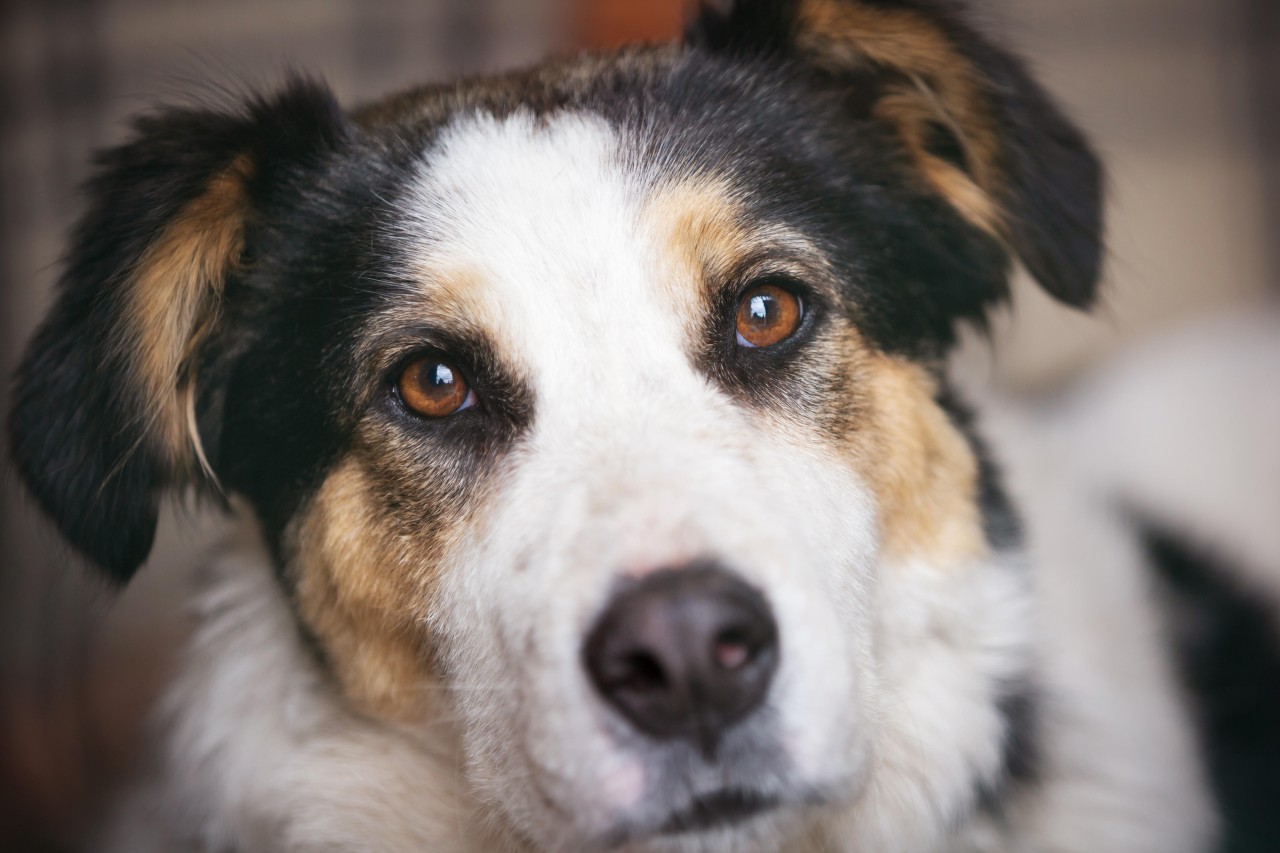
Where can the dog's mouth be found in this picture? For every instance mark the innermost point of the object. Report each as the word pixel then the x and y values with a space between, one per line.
pixel 718 809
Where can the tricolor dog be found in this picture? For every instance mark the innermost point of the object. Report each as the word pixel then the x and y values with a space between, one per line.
pixel 600 483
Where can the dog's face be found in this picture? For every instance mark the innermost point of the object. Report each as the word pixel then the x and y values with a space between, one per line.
pixel 598 407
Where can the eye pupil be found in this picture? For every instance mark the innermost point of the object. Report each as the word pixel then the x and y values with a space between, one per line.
pixel 433 388
pixel 767 315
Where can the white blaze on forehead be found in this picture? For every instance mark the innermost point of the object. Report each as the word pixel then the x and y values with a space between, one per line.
pixel 542 218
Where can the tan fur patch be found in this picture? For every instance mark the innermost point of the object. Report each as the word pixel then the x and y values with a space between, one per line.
pixel 699 232
pixel 918 464
pixel 944 87
pixel 452 296
pixel 173 302
pixel 364 590
pixel 704 238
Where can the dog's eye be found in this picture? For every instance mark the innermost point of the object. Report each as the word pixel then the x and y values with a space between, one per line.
pixel 768 315
pixel 434 388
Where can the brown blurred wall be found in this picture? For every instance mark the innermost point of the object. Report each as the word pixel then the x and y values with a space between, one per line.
pixel 1172 93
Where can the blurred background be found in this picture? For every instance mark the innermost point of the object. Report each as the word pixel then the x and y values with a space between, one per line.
pixel 1182 98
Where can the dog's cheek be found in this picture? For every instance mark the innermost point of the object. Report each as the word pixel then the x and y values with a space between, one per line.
pixel 365 577
pixel 906 496
pixel 920 467
pixel 879 417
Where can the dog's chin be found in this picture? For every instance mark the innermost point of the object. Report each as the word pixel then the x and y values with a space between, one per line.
pixel 718 810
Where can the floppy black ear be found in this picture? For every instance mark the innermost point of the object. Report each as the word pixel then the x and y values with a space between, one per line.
pixel 103 420
pixel 977 128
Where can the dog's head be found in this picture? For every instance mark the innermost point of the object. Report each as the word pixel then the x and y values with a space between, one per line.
pixel 603 398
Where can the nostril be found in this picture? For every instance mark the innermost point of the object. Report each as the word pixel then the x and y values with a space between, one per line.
pixel 731 651
pixel 641 672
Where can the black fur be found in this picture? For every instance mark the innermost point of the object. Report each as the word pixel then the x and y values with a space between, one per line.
pixel 1021 758
pixel 1021 700
pixel 1227 643
pixel 1000 520
pixel 80 438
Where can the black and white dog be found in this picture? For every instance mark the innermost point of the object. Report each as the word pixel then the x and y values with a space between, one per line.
pixel 600 482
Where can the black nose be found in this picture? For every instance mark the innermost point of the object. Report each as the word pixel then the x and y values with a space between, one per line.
pixel 684 653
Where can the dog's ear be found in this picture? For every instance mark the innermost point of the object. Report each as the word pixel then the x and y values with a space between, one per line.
pixel 977 128
pixel 103 420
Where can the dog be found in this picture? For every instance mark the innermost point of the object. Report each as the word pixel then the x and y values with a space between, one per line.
pixel 596 478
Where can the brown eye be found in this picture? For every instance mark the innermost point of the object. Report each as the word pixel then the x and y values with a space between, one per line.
pixel 767 315
pixel 434 388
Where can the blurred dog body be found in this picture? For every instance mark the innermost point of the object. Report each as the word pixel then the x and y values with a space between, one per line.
pixel 597 479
